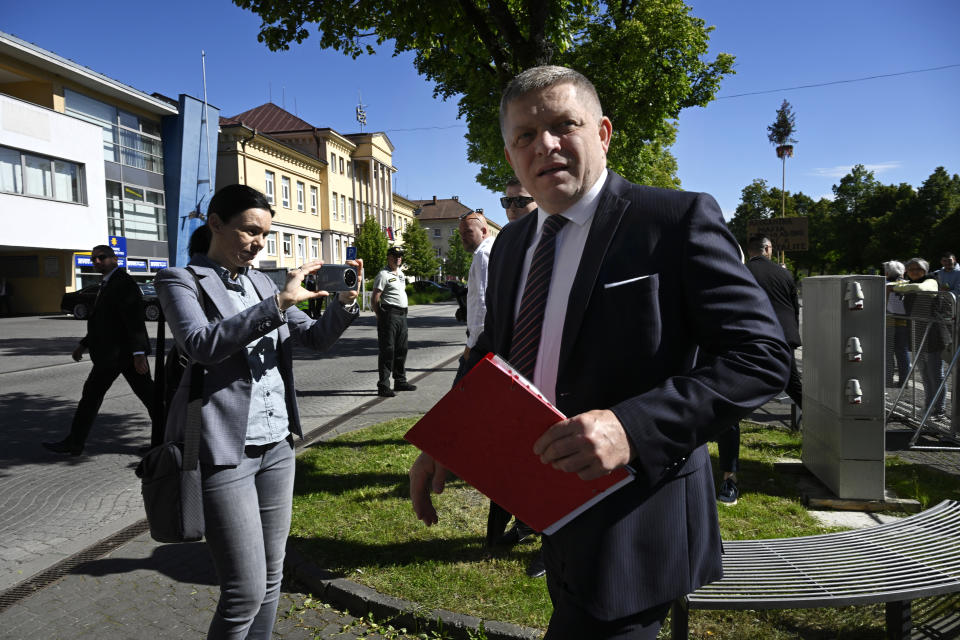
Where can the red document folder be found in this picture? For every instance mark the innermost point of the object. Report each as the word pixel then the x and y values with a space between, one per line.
pixel 483 430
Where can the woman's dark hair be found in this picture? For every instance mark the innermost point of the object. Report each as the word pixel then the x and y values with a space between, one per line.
pixel 234 199
pixel 229 202
pixel 199 241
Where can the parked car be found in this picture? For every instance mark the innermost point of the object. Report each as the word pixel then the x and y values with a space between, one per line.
pixel 80 303
pixel 427 285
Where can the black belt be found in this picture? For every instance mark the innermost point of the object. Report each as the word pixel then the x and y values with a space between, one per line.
pixel 392 309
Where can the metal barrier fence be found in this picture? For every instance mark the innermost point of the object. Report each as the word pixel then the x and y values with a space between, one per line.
pixel 922 350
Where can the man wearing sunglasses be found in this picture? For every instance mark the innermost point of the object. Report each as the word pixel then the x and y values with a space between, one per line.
pixel 118 344
pixel 518 202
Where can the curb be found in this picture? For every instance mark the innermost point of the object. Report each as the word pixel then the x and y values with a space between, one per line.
pixel 361 600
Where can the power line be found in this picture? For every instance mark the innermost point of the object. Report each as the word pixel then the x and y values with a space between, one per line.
pixel 451 126
pixel 824 84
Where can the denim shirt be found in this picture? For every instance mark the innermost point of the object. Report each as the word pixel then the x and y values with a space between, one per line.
pixel 267 419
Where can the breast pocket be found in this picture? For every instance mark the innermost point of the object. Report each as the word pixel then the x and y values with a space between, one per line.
pixel 631 310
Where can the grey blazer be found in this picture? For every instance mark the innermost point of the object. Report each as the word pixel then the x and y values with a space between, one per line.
pixel 215 336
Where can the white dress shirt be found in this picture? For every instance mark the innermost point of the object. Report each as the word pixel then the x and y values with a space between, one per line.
pixel 570 241
pixel 477 290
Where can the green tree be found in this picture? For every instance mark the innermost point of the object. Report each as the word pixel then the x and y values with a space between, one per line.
pixel 780 133
pixel 371 245
pixel 756 203
pixel 647 58
pixel 458 259
pixel 418 254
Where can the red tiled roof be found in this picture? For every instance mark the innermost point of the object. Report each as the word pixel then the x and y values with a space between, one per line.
pixel 268 118
pixel 441 209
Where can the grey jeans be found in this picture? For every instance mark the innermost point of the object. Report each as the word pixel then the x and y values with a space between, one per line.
pixel 247 512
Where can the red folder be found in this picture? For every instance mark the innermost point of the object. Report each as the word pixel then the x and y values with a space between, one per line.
pixel 483 430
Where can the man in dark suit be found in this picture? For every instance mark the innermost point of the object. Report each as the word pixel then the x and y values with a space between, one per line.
pixel 642 280
pixel 118 344
pixel 780 288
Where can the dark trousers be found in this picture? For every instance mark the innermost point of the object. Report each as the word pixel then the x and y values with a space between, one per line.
pixel 728 449
pixel 794 386
pixel 392 339
pixel 101 377
pixel 570 622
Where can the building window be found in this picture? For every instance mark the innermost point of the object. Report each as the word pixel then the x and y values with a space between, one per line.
pixel 439 253
pixel 285 191
pixel 333 161
pixel 341 165
pixel 272 244
pixel 314 248
pixel 353 211
pixel 336 250
pixel 127 139
pixel 268 189
pixel 301 249
pixel 343 208
pixel 350 168
pixel 313 200
pixel 136 212
pixel 300 196
pixel 436 233
pixel 333 206
pixel 33 175
pixel 287 244
pixel 452 230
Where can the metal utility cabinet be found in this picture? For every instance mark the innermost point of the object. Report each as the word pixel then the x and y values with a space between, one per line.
pixel 843 336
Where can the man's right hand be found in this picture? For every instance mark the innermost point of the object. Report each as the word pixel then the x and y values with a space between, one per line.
pixel 426 474
pixel 78 353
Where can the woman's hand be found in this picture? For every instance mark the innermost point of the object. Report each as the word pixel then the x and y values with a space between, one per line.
pixel 294 292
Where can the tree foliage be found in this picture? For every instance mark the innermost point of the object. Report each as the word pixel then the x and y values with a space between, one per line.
pixel 371 245
pixel 418 255
pixel 646 58
pixel 866 223
pixel 458 259
pixel 782 130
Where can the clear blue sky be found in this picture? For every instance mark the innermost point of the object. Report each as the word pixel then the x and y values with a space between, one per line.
pixel 902 127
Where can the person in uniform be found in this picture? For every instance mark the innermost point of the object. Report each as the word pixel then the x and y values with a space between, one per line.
pixel 390 304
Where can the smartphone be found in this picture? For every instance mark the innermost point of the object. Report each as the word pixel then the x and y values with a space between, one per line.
pixel 332 278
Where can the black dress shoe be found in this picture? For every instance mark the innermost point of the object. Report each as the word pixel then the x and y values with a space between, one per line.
pixel 386 392
pixel 537 568
pixel 63 446
pixel 404 386
pixel 516 534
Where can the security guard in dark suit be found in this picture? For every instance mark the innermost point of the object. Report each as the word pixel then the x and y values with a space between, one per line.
pixel 389 302
pixel 118 344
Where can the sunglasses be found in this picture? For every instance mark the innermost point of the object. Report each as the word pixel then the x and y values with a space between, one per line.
pixel 518 202
pixel 101 256
pixel 466 216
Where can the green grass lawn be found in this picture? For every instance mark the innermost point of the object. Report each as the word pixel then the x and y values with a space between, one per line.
pixel 352 515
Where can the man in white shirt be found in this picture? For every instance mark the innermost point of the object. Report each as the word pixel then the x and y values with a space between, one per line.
pixel 606 295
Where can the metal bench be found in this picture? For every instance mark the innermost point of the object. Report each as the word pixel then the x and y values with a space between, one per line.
pixel 894 563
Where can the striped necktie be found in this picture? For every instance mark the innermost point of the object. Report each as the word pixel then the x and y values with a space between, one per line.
pixel 529 322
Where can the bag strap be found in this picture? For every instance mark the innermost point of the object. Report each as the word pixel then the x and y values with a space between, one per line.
pixel 191 435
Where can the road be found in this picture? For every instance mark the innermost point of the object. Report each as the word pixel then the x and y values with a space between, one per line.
pixel 54 506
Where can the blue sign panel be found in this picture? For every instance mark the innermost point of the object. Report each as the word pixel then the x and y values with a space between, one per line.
pixel 119 246
pixel 351 253
pixel 158 263
pixel 82 260
pixel 136 264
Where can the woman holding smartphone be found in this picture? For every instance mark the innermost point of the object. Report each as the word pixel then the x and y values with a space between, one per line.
pixel 237 324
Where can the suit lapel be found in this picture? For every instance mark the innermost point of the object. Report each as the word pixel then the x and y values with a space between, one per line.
pixel 514 250
pixel 215 291
pixel 605 223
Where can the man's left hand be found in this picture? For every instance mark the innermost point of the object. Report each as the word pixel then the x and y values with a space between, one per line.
pixel 140 364
pixel 590 444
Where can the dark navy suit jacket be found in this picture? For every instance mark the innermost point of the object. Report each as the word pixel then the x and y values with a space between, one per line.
pixel 633 348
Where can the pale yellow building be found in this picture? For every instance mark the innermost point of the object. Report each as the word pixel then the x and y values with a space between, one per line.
pixel 403 212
